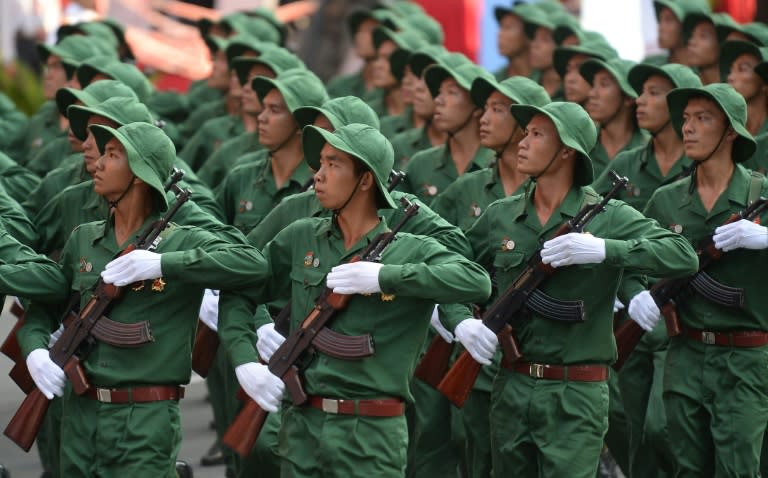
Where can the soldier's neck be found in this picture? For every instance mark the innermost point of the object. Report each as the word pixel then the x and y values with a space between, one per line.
pixel 286 160
pixel 436 137
pixel 510 177
pixel 550 80
pixel 393 101
pixel 713 177
pixel 757 112
pixel 709 74
pixel 250 121
pixel 464 145
pixel 131 212
pixel 618 132
pixel 551 190
pixel 520 63
pixel 358 218
pixel 667 148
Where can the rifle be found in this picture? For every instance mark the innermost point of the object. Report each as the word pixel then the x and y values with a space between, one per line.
pixel 666 292
pixel 72 345
pixel 458 382
pixel 242 433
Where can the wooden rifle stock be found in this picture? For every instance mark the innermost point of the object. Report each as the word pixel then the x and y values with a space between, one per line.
pixel 204 350
pixel 24 425
pixel 434 363
pixel 10 347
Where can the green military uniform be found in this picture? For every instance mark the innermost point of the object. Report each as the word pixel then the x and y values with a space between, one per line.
pixel 208 138
pixel 13 125
pixel 680 9
pixel 192 259
pixel 15 221
pixel 316 443
pixel 17 180
pixel 551 427
pixel 642 374
pixel 715 396
pixel 218 166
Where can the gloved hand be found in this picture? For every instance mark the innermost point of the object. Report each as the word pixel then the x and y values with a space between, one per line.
pixel 741 234
pixel 478 339
pixel 135 266
pixel 438 326
pixel 355 278
pixel 55 336
pixel 48 376
pixel 617 305
pixel 209 309
pixel 644 311
pixel 573 248
pixel 268 341
pixel 261 385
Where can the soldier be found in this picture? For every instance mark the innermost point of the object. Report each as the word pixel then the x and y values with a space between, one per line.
pixel 352 165
pixel 512 40
pixel 549 413
pixel 670 15
pixel 129 393
pixel 714 388
pixel 737 68
pixel 703 47
pixel 569 58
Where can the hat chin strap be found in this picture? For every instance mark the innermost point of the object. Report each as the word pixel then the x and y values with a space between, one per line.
pixel 554 156
pixel 113 204
pixel 696 164
pixel 338 210
pixel 500 152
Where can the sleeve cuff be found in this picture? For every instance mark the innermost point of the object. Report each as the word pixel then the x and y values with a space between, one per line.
pixel 615 252
pixel 389 278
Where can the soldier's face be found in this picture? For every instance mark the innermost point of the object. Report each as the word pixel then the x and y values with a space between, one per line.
pixel 382 72
pixel 453 106
pixel 364 39
pixel 542 48
pixel 407 85
pixel 276 123
pixel 605 97
pixel 335 180
pixel 219 78
pixel 575 86
pixel 112 174
pixel 235 88
pixel 249 99
pixel 511 39
pixel 652 111
pixel 423 103
pixel 90 151
pixel 321 121
pixel 497 125
pixel 538 147
pixel 54 76
pixel 703 48
pixel 704 124
pixel 744 79
pixel 670 29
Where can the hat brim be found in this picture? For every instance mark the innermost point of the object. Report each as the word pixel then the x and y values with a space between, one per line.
pixel 66 97
pixel 591 67
pixel 306 115
pixel 733 49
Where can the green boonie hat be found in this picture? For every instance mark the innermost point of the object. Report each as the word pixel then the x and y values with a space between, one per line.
pixel 299 87
pixel 427 27
pixel 681 8
pixel 729 101
pixel 119 31
pixel 92 94
pixel 757 32
pixel 256 27
pixel 362 141
pixel 269 15
pixel 403 8
pixel 169 105
pixel 72 49
pixel 242 44
pixel 550 21
pixel 123 72
pixel 574 126
pixel 406 42
pixel 733 49
pixel 381 15
pixel 120 110
pixel 618 69
pixel 524 11
pixel 340 111
pixel 681 76
pixel 521 90
pixel 276 59
pixel 464 74
pixel 96 30
pixel 597 49
pixel 149 150
pixel 71 66
pixel 420 59
pixel 716 19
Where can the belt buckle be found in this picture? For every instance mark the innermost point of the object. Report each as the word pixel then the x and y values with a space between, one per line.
pixel 330 405
pixel 104 395
pixel 708 337
pixel 536 370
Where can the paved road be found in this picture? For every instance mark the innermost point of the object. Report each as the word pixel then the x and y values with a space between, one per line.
pixel 196 415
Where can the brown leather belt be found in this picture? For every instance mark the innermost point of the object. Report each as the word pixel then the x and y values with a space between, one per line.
pixel 135 394
pixel 746 338
pixel 383 407
pixel 575 373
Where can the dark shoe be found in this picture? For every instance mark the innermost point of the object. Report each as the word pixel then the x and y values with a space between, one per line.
pixel 183 470
pixel 4 473
pixel 214 456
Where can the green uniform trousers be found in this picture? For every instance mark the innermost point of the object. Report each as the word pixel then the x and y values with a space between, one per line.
pixel 318 444
pixel 617 437
pixel 717 408
pixel 547 428
pixel 119 440
pixel 476 414
pixel 224 403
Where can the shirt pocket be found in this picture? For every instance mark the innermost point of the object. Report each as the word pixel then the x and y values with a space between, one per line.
pixel 506 266
pixel 307 285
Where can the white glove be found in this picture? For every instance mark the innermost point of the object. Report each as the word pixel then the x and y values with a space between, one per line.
pixel 478 339
pixel 55 336
pixel 48 376
pixel 355 278
pixel 438 326
pixel 617 305
pixel 135 266
pixel 261 385
pixel 573 248
pixel 268 341
pixel 209 309
pixel 644 311
pixel 741 234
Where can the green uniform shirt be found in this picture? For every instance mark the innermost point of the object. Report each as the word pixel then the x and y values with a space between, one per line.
pixel 600 159
pixel 192 260
pixel 200 93
pixel 677 209
pixel 43 126
pixel 17 180
pixel 50 155
pixel 71 171
pixel 250 192
pixel 347 85
pixel 408 143
pixel 640 167
pixel 394 125
pixel 375 99
pixel 217 167
pixel 418 272
pixel 15 221
pixel 13 128
pixel 429 172
pixel 200 114
pixel 509 233
pixel 211 135
pixel 25 273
